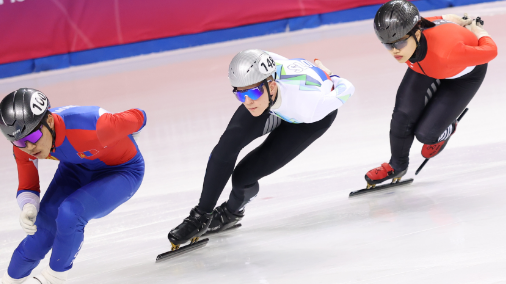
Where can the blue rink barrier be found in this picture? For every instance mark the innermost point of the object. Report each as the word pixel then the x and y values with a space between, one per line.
pixel 184 41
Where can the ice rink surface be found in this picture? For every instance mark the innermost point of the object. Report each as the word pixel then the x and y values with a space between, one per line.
pixel 446 227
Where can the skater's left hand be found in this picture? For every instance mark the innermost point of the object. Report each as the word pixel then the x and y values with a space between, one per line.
pixel 458 19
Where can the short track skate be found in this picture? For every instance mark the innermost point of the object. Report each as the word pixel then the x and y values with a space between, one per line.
pixel 373 188
pixel 176 250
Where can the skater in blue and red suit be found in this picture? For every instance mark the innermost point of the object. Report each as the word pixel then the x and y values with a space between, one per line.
pixel 100 168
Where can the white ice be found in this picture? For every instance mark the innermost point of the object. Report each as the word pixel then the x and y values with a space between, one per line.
pixel 447 227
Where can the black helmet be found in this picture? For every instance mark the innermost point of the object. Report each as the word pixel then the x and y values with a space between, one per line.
pixel 21 112
pixel 395 19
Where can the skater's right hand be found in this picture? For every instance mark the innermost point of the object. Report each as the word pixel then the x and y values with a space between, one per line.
pixel 27 218
pixel 477 29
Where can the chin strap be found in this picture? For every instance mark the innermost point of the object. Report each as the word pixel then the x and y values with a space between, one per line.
pixel 416 51
pixel 53 134
pixel 271 102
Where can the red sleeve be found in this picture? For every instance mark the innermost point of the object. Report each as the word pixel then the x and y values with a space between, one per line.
pixel 465 55
pixel 112 127
pixel 28 174
pixel 432 19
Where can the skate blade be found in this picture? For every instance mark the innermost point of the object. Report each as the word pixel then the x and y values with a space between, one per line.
pixel 226 230
pixel 188 248
pixel 380 187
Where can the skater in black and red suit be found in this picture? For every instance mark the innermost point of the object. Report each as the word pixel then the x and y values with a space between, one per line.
pixel 447 58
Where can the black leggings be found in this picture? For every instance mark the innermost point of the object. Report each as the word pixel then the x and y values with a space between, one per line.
pixel 284 143
pixel 425 107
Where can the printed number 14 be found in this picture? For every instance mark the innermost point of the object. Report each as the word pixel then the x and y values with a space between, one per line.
pixel 270 63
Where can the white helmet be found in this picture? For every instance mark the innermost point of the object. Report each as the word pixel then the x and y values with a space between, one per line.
pixel 249 67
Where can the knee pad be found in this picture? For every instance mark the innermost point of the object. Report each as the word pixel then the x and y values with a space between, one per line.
pixel 401 125
pixel 425 138
pixel 69 217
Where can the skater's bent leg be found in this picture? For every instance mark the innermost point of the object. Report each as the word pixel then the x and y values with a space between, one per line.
pixel 30 252
pixel 70 234
pixel 450 101
pixel 401 139
pixel 34 248
pixel 106 192
pixel 241 130
pixel 414 93
pixel 280 147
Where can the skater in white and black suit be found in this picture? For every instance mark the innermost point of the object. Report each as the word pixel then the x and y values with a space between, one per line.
pixel 294 100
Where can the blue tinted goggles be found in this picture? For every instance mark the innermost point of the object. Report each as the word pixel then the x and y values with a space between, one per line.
pixel 253 93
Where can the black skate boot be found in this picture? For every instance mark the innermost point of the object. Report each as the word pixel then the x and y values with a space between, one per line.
pixel 192 228
pixel 223 219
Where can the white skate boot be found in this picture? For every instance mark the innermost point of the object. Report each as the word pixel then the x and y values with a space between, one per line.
pixel 9 280
pixel 48 276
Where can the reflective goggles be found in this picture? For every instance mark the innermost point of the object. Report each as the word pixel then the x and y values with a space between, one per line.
pixel 398 44
pixel 253 93
pixel 32 138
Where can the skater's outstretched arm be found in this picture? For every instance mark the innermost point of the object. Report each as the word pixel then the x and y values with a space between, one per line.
pixel 28 177
pixel 28 195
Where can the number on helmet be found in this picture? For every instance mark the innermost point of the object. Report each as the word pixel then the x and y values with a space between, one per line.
pixel 38 103
pixel 266 64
